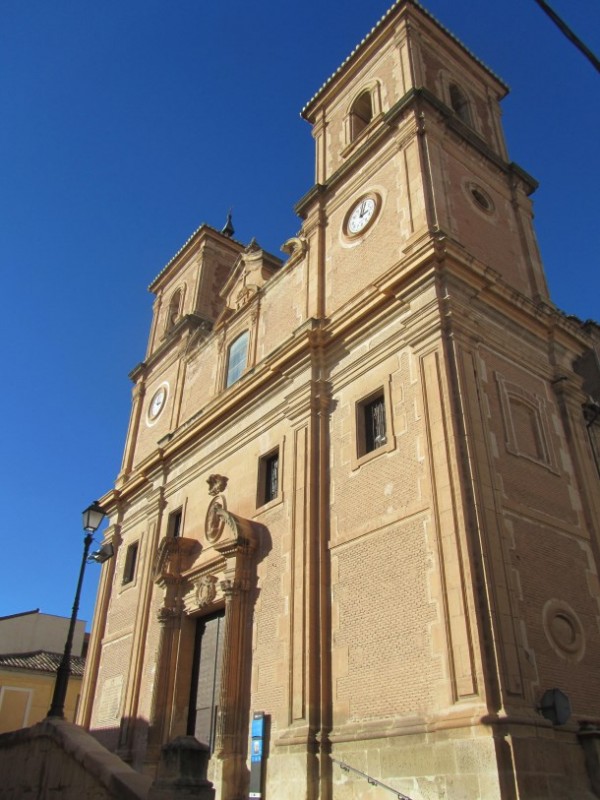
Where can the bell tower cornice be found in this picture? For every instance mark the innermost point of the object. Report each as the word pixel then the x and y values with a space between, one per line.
pixel 372 43
pixel 196 241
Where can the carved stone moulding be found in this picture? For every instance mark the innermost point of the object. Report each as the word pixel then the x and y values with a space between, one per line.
pixel 173 556
pixel 214 522
pixel 204 593
pixel 217 484
pixel 167 613
pixel 564 630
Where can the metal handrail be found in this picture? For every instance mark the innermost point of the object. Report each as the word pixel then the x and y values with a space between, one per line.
pixel 372 781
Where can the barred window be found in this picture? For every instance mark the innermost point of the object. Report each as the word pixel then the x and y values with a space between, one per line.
pixel 371 424
pixel 268 478
pixel 174 524
pixel 374 420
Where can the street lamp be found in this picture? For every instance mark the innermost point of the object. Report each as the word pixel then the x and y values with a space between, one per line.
pixel 92 518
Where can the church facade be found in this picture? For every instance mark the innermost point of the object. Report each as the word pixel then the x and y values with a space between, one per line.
pixel 357 523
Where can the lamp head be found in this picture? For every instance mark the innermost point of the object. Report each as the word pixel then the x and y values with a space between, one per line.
pixel 92 517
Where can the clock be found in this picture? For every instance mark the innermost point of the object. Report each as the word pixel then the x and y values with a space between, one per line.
pixel 362 215
pixel 157 403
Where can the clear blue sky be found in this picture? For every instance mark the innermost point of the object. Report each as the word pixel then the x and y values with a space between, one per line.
pixel 124 126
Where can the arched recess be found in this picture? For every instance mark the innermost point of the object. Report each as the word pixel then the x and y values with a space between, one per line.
pixel 365 106
pixel 174 310
pixel 460 103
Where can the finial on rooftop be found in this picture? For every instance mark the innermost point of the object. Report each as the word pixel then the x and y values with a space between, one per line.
pixel 227 229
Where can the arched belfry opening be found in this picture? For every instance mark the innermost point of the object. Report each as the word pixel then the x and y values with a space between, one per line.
pixel 460 104
pixel 361 114
pixel 174 310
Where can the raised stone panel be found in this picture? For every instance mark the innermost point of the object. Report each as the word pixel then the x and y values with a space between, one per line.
pixel 283 308
pixel 543 485
pixel 151 431
pixel 200 379
pixel 560 610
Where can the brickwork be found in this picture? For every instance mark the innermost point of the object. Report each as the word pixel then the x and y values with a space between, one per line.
pixel 269 647
pixel 391 649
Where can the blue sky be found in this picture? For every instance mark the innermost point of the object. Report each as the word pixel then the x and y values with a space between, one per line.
pixel 124 126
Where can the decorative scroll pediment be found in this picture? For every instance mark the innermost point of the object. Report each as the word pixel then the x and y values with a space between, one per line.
pixel 238 536
pixel 174 556
pixel 251 271
pixel 295 248
pixel 234 541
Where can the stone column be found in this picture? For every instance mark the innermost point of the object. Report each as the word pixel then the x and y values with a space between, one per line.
pixel 233 719
pixel 169 618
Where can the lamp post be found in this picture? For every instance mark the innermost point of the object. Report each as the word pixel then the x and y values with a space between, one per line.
pixel 92 518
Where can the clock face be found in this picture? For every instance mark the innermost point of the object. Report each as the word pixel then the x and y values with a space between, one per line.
pixel 157 403
pixel 361 215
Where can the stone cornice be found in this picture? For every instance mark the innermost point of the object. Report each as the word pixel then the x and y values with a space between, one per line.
pixel 372 41
pixel 203 233
pixel 187 325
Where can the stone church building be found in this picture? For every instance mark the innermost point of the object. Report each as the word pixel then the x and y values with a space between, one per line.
pixel 360 489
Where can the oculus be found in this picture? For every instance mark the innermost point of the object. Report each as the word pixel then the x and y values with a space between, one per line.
pixel 563 630
pixel 481 198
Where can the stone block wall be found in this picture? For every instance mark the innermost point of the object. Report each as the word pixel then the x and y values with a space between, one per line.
pixel 56 759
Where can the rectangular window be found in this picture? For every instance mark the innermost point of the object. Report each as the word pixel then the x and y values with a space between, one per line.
pixel 236 358
pixel 130 563
pixel 174 524
pixel 371 424
pixel 268 478
pixel 374 424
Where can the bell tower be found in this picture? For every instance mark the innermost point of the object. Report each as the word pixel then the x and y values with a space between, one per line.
pixel 412 123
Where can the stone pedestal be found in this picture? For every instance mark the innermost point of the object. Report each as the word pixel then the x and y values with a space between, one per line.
pixel 181 772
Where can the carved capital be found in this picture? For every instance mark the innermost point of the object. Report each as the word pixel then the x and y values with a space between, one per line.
pixel 166 614
pixel 295 246
pixel 234 586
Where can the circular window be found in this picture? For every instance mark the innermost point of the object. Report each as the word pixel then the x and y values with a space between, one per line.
pixel 482 198
pixel 564 630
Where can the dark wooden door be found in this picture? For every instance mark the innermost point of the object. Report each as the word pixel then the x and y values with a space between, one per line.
pixel 206 678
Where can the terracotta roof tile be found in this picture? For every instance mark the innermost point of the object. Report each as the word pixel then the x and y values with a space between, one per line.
pixel 41 661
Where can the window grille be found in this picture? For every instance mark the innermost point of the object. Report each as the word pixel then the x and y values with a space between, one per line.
pixel 374 419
